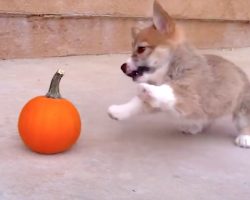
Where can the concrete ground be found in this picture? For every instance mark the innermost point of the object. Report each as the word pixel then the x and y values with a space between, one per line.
pixel 144 158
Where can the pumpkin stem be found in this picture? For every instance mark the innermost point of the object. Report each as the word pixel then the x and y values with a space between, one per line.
pixel 54 85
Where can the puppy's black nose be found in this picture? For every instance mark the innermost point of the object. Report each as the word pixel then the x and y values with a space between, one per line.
pixel 124 67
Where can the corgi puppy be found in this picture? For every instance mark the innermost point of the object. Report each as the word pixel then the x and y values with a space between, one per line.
pixel 173 78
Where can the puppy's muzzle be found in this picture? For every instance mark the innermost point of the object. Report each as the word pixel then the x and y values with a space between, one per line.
pixel 135 73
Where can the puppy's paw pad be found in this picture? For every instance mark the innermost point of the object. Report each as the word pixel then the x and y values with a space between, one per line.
pixel 117 112
pixel 243 141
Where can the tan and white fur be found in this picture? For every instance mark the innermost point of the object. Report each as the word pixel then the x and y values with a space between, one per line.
pixel 193 88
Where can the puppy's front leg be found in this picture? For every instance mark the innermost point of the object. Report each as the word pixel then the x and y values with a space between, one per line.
pixel 134 107
pixel 150 98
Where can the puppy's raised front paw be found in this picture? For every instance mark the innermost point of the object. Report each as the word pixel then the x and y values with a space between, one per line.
pixel 144 92
pixel 117 112
pixel 243 141
pixel 147 93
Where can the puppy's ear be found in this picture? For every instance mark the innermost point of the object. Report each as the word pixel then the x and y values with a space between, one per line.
pixel 161 19
pixel 134 32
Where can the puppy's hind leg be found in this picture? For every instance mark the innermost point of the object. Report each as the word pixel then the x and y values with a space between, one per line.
pixel 193 127
pixel 242 121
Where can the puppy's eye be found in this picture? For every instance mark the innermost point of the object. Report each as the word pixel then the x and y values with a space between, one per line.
pixel 140 49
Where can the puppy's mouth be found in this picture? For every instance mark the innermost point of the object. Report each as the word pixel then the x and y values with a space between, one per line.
pixel 138 73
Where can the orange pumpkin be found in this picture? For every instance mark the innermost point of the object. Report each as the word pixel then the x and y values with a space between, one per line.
pixel 49 124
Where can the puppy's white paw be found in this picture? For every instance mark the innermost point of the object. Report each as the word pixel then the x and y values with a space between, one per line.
pixel 144 92
pixel 147 93
pixel 157 96
pixel 117 112
pixel 243 141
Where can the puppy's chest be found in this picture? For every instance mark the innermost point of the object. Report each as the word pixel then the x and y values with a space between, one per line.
pixel 163 78
pixel 160 77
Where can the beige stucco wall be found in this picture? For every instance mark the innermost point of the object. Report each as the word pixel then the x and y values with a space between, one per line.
pixel 71 27
pixel 188 9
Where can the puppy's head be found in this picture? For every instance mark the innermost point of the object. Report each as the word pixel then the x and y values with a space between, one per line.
pixel 152 46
